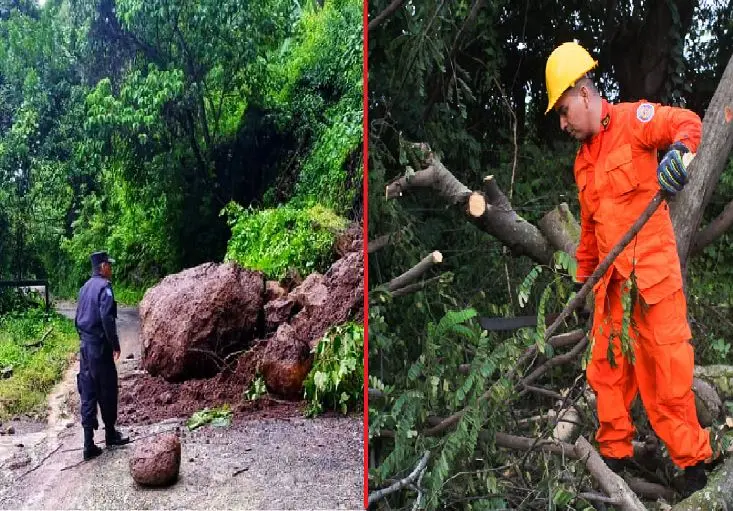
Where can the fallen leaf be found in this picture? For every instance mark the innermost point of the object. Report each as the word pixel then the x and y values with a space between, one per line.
pixel 728 114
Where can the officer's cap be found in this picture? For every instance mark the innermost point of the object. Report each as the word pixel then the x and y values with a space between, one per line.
pixel 99 258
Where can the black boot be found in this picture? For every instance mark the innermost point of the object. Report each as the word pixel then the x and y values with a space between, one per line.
pixel 90 450
pixel 114 437
pixel 616 464
pixel 695 479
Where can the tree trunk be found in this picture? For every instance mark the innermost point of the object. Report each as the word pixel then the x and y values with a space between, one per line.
pixel 705 170
pixel 641 49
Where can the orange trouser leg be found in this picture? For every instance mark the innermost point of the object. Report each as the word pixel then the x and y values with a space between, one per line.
pixel 614 384
pixel 664 370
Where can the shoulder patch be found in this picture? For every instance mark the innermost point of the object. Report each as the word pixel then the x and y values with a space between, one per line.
pixel 645 112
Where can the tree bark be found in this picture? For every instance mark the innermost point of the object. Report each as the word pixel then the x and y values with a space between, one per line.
pixel 561 229
pixel 706 168
pixel 612 483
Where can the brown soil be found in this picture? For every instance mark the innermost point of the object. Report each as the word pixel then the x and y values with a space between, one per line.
pixel 145 399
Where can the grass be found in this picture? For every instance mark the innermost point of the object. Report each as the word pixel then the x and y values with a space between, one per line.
pixel 36 369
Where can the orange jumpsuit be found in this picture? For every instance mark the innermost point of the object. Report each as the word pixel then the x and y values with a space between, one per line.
pixel 616 176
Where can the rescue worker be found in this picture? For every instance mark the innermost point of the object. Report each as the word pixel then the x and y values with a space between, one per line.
pixel 617 174
pixel 96 315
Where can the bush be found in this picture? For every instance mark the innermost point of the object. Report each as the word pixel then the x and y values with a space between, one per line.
pixel 336 379
pixel 277 240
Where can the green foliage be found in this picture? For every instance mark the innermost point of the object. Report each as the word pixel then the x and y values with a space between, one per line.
pixel 317 79
pixel 432 384
pixel 282 239
pixel 336 380
pixel 128 125
pixel 256 390
pixel 219 416
pixel 36 367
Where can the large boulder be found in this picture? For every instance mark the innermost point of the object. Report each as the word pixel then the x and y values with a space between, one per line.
pixel 156 460
pixel 192 319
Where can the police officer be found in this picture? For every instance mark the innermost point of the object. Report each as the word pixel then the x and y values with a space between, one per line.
pixel 96 313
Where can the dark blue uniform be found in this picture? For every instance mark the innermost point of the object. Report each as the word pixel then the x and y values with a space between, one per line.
pixel 96 316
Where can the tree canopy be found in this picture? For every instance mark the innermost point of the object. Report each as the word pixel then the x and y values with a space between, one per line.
pixel 134 126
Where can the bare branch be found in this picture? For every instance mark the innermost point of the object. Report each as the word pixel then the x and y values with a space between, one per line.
pixel 413 288
pixel 386 13
pixel 402 483
pixel 415 272
pixel 612 483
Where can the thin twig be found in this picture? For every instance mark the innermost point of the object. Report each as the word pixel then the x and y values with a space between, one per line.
pixel 543 392
pixel 555 361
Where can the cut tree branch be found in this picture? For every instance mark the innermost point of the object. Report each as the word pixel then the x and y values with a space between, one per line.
pixel 490 210
pixel 402 483
pixel 641 487
pixel 415 272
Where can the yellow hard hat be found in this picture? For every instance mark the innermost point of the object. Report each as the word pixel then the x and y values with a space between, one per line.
pixel 565 65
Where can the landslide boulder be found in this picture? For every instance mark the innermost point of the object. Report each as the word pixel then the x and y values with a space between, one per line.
pixel 192 319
